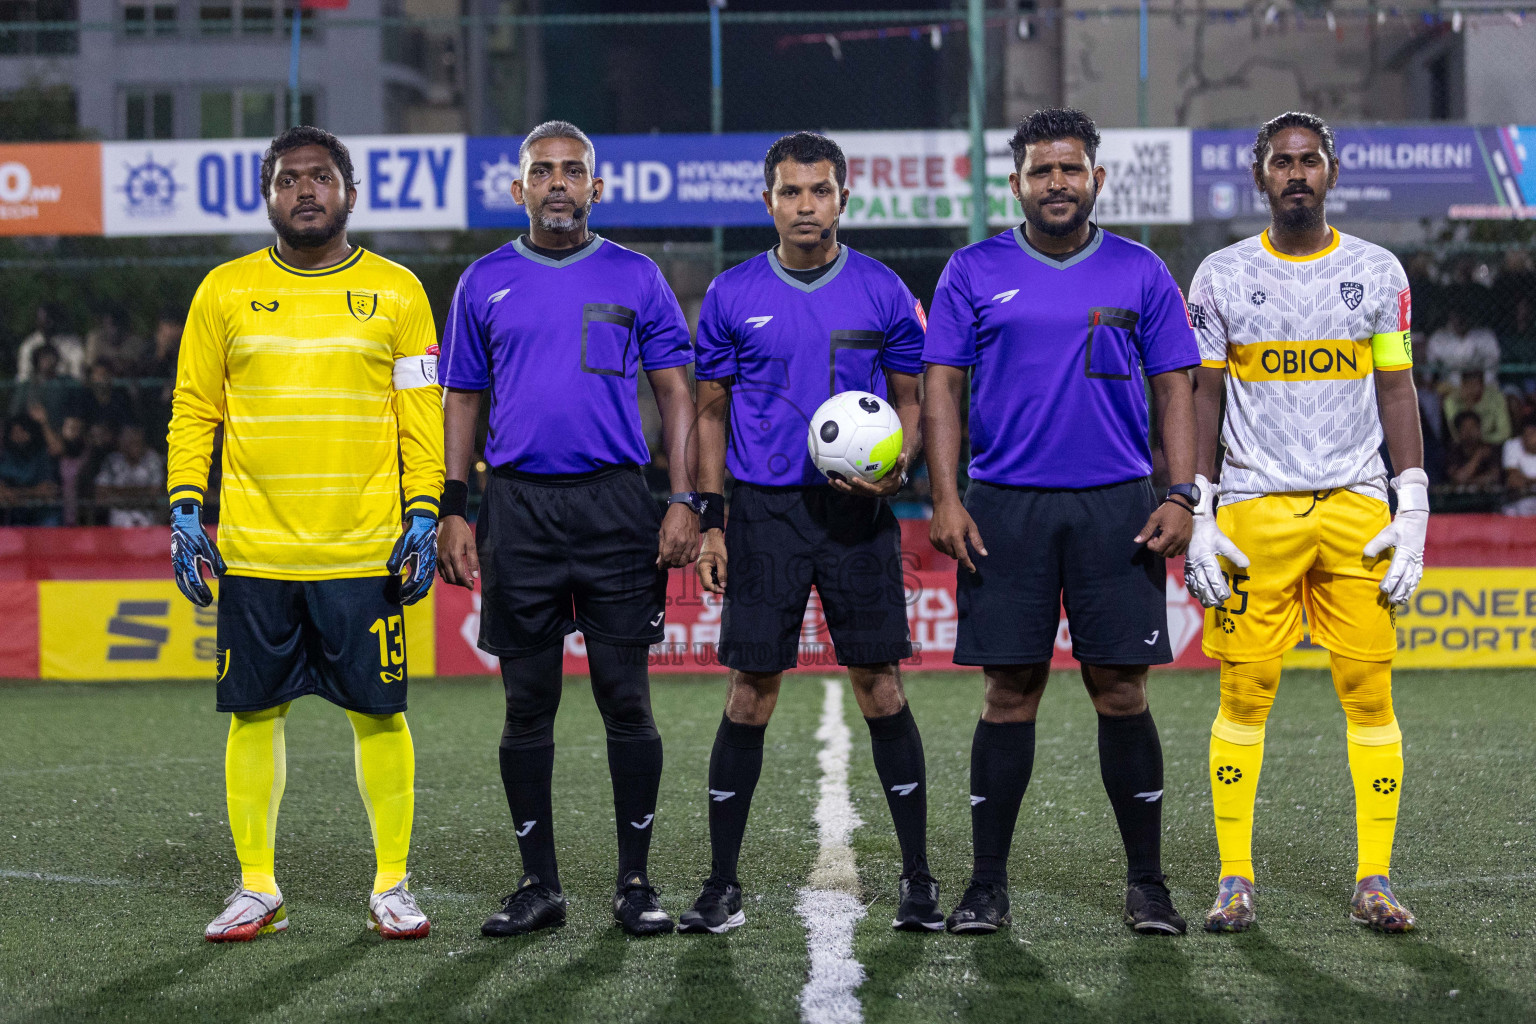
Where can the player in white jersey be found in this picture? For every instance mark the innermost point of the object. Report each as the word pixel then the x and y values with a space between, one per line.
pixel 1306 330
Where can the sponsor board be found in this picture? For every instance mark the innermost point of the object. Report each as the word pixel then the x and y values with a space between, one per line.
pixel 404 182
pixel 693 630
pixel 1459 618
pixel 50 189
pixel 145 629
pixel 1385 173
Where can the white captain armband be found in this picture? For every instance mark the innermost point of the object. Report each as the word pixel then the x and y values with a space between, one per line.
pixel 415 372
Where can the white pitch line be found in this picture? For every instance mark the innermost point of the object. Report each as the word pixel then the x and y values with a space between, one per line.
pixel 44 876
pixel 830 905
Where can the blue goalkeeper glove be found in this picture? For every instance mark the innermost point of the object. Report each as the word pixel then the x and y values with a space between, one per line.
pixel 416 553
pixel 191 552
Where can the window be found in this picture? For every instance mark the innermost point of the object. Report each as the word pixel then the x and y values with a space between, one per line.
pixel 258 115
pixel 257 19
pixel 50 41
pixel 306 23
pixel 216 20
pixel 165 20
pixel 306 107
pixel 150 115
pixel 142 20
pixel 217 115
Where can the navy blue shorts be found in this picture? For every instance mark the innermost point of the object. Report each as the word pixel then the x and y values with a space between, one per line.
pixel 782 540
pixel 343 640
pixel 1048 550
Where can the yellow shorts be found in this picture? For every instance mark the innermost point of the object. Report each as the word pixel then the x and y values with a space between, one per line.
pixel 1304 554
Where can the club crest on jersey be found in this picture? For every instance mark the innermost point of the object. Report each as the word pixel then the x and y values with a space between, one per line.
pixel 362 305
pixel 1352 293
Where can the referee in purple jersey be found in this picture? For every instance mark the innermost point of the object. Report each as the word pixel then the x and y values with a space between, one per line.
pixel 1060 326
pixel 557 326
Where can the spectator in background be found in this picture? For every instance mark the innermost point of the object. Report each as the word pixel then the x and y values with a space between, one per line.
pixel 1470 461
pixel 1428 293
pixel 44 389
pixel 1514 304
pixel 1520 471
pixel 132 480
pixel 100 443
pixel 109 344
pixel 103 400
pixel 162 366
pixel 1488 402
pixel 48 332
pixel 1458 348
pixel 27 476
pixel 74 456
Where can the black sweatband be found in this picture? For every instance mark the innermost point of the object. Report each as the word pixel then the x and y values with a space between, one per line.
pixel 455 499
pixel 713 516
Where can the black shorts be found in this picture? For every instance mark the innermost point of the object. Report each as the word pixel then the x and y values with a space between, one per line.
pixel 558 554
pixel 779 542
pixel 1049 549
pixel 281 639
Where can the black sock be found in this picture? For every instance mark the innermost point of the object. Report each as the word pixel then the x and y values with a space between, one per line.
pixel 526 772
pixel 734 767
pixel 898 751
pixel 636 769
pixel 1131 762
pixel 1002 757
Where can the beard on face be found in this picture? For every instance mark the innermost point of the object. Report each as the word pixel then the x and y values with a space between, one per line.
pixel 1296 218
pixel 312 237
pixel 1058 230
pixel 563 225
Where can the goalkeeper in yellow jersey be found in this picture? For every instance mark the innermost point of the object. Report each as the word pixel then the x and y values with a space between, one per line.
pixel 319 359
pixel 1307 330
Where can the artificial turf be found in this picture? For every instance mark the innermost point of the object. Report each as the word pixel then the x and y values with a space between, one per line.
pixel 114 853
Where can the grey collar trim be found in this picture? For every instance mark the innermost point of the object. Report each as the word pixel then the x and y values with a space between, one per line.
pixel 545 261
pixel 824 279
pixel 1092 247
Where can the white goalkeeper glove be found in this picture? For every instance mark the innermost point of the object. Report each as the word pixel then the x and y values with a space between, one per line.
pixel 1406 534
pixel 1202 572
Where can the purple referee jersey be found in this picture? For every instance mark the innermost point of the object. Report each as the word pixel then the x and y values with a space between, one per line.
pixel 790 346
pixel 1059 352
pixel 559 343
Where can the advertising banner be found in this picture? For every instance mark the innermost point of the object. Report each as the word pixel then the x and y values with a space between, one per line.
pixel 405 182
pixel 1460 618
pixel 1385 173
pixel 146 629
pixel 50 189
pixel 898 179
pixel 648 180
pixel 693 630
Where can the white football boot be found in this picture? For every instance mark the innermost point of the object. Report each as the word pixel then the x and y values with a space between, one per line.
pixel 394 914
pixel 246 915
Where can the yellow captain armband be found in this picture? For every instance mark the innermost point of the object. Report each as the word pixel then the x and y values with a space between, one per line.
pixel 1392 351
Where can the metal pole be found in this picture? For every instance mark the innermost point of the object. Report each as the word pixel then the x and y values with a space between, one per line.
pixel 975 26
pixel 1141 97
pixel 716 110
pixel 293 66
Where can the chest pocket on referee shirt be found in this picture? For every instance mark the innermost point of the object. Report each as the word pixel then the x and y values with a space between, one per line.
pixel 1110 353
pixel 606 331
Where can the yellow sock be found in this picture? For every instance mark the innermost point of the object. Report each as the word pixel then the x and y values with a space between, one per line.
pixel 1237 756
pixel 1375 758
pixel 386 778
pixel 255 771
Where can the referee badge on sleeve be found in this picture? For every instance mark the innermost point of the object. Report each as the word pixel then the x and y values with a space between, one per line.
pixel 362 305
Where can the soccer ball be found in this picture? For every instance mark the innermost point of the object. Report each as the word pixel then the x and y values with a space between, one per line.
pixel 853 434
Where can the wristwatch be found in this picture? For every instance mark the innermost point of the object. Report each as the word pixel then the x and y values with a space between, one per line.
pixel 693 499
pixel 1189 492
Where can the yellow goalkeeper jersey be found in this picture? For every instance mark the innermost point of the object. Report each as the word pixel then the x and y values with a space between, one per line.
pixel 325 382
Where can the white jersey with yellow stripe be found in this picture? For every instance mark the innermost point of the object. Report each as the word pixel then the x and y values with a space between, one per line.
pixel 1300 338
